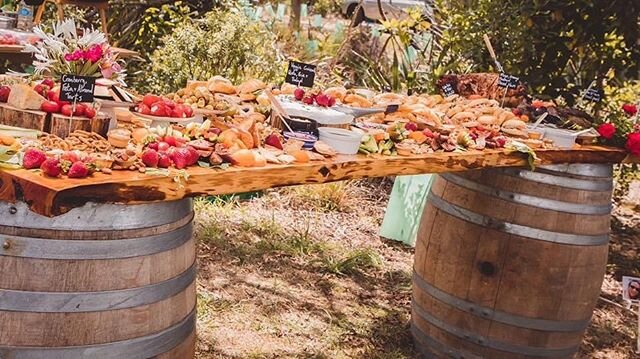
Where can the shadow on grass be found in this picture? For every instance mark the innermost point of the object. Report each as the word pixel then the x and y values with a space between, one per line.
pixel 376 321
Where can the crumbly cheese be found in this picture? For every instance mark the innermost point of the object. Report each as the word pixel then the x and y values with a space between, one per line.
pixel 25 98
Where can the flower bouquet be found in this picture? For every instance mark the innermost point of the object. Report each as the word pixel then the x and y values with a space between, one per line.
pixel 622 128
pixel 65 52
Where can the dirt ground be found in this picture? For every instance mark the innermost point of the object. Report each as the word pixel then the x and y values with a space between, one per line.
pixel 302 273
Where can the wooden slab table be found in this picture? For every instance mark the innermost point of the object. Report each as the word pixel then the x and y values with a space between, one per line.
pixel 104 266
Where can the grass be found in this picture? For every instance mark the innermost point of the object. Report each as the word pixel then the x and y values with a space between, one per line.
pixel 302 273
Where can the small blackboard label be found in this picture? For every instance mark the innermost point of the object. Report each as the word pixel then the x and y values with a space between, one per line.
pixel 508 81
pixel 593 95
pixel 448 90
pixel 300 74
pixel 75 88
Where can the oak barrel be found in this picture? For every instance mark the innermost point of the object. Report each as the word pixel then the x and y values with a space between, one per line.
pixel 509 262
pixel 101 281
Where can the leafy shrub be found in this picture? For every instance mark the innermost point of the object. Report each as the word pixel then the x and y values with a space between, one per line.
pixel 222 42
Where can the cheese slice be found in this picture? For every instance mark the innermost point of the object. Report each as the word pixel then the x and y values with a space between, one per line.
pixel 25 98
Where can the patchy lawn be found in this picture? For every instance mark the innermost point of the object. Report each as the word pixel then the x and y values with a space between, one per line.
pixel 302 273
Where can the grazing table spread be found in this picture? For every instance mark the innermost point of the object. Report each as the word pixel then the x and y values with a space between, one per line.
pixel 105 266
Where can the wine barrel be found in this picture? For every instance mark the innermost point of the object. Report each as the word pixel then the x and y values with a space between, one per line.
pixel 101 281
pixel 509 262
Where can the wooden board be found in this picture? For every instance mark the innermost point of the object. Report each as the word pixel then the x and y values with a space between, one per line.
pixel 54 196
pixel 62 126
pixel 31 119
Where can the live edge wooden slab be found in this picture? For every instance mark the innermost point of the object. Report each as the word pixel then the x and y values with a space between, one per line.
pixel 54 196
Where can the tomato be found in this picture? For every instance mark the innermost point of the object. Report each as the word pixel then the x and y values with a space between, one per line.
pixel 159 109
pixel 66 110
pixel 144 109
pixel 50 107
pixel 90 112
pixel 150 99
pixel 79 110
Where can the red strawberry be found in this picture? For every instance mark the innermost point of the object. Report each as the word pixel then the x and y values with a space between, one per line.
pixel 163 160
pixel 144 109
pixel 180 157
pixel 194 155
pixel 322 100
pixel 78 169
pixel 153 145
pixel 171 141
pixel 150 158
pixel 51 167
pixel 332 101
pixel 298 94
pixel 163 146
pixel 273 140
pixel 150 99
pixel 33 158
pixel 48 82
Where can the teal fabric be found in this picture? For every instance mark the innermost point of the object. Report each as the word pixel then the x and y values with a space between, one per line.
pixel 402 218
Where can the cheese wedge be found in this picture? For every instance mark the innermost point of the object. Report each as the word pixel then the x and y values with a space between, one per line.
pixel 25 98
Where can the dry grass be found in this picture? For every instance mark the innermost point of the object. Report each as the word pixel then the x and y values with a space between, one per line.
pixel 302 273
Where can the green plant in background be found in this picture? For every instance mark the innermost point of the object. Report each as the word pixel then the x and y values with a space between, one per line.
pixel 326 7
pixel 222 42
pixel 557 46
pixel 401 55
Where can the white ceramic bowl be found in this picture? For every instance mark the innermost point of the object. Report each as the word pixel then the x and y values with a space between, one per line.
pixel 343 141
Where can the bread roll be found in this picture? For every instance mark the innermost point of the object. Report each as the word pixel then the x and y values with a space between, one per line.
pixel 251 86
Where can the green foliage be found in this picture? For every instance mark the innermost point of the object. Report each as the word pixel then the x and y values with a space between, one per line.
pixel 222 42
pixel 326 7
pixel 557 46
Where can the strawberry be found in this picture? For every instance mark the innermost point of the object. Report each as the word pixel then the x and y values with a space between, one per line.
pixel 150 99
pixel 332 101
pixel 322 100
pixel 143 109
pixel 153 145
pixel 150 158
pixel 273 140
pixel 163 146
pixel 33 158
pixel 48 82
pixel 163 160
pixel 180 157
pixel 307 100
pixel 78 169
pixel 298 94
pixel 51 167
pixel 172 141
pixel 70 156
pixel 194 156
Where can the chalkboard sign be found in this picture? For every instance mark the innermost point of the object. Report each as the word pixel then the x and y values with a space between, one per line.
pixel 300 74
pixel 593 95
pixel 77 88
pixel 448 90
pixel 508 81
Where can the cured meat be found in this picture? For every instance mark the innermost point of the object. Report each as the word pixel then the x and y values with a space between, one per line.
pixel 484 85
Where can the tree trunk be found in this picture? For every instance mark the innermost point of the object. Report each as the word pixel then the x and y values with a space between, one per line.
pixel 295 14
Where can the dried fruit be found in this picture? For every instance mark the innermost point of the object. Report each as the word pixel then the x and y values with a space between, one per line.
pixel 150 158
pixel 51 167
pixel 33 158
pixel 78 169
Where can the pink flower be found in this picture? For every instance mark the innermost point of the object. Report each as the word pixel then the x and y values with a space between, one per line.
pixel 68 57
pixel 107 71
